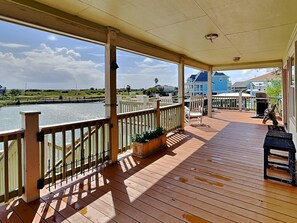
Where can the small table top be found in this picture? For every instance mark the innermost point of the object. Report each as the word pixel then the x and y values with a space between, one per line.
pixel 282 144
pixel 279 134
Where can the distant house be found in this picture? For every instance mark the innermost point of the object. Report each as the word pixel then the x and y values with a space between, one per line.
pixel 196 84
pixel 169 89
pixel 2 90
pixel 255 85
pixel 239 86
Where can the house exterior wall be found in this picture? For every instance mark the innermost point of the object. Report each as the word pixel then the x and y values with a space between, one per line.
pixel 289 60
pixel 220 84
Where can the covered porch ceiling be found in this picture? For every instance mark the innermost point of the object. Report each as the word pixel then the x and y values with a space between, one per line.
pixel 258 32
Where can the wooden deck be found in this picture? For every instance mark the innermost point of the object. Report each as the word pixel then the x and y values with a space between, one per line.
pixel 211 173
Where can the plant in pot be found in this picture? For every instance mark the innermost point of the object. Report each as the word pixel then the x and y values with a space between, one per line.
pixel 149 142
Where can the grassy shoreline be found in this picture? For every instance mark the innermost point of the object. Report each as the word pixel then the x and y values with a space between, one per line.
pixel 35 96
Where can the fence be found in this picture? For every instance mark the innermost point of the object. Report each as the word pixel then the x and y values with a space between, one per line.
pixel 72 148
pixel 11 167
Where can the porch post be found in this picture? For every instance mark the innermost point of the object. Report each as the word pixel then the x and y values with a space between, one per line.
pixel 110 90
pixel 209 93
pixel 240 101
pixel 181 89
pixel 295 81
pixel 30 123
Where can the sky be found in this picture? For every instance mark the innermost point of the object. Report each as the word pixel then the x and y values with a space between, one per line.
pixel 34 59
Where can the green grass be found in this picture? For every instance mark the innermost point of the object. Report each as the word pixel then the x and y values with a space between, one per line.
pixel 16 97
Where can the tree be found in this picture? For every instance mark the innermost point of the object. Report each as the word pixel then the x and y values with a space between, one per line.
pixel 15 92
pixel 156 81
pixel 128 88
pixel 273 90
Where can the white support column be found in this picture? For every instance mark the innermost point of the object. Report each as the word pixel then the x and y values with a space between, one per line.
pixel 181 89
pixel 111 90
pixel 240 101
pixel 209 93
pixel 284 96
pixel 30 122
pixel 295 81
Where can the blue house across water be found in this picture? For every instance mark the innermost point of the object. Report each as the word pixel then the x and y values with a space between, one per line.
pixel 197 84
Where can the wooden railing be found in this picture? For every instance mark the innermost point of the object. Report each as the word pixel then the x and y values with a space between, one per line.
pixel 171 117
pixel 125 106
pixel 132 123
pixel 71 148
pixel 11 168
pixel 227 102
pixel 130 106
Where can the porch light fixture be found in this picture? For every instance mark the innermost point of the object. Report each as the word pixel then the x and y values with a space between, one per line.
pixel 236 59
pixel 211 36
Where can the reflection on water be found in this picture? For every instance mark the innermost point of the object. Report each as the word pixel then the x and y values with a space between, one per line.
pixel 10 117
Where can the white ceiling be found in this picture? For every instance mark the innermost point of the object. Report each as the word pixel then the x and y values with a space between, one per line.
pixel 255 30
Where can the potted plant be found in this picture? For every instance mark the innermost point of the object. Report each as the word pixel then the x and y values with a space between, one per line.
pixel 149 142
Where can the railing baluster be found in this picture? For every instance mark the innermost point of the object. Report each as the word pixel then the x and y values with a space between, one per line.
pixel 144 122
pixel 73 170
pixel 41 159
pixel 63 154
pixel 122 135
pixel 130 130
pixel 138 124
pixel 82 150
pixel 103 142
pixel 53 157
pixel 89 146
pixel 126 132
pixel 6 177
pixel 20 167
pixel 134 131
pixel 96 144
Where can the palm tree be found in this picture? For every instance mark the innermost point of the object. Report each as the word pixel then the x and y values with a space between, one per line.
pixel 156 81
pixel 128 88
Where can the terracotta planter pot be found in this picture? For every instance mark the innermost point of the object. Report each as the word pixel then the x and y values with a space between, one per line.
pixel 142 150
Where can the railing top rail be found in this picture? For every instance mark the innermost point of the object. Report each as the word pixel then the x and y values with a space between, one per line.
pixel 71 125
pixel 214 96
pixel 12 134
pixel 135 113
pixel 176 105
pixel 132 102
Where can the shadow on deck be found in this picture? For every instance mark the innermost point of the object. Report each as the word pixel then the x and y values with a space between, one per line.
pixel 209 173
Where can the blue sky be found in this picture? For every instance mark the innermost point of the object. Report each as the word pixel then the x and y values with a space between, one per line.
pixel 40 60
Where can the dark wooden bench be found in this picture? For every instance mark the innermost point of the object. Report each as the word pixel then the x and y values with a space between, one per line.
pixel 281 141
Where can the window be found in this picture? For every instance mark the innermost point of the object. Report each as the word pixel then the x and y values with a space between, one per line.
pixel 292 78
pixel 291 71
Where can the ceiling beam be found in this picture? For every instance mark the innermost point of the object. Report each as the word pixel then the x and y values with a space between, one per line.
pixel 43 17
pixel 252 65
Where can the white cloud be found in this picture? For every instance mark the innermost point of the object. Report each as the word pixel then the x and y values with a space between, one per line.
pixel 13 45
pixel 55 67
pixel 97 54
pixel 52 38
pixel 143 75
pixel 82 47
pixel 148 60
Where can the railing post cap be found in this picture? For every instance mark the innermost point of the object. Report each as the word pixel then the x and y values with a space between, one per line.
pixel 30 112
